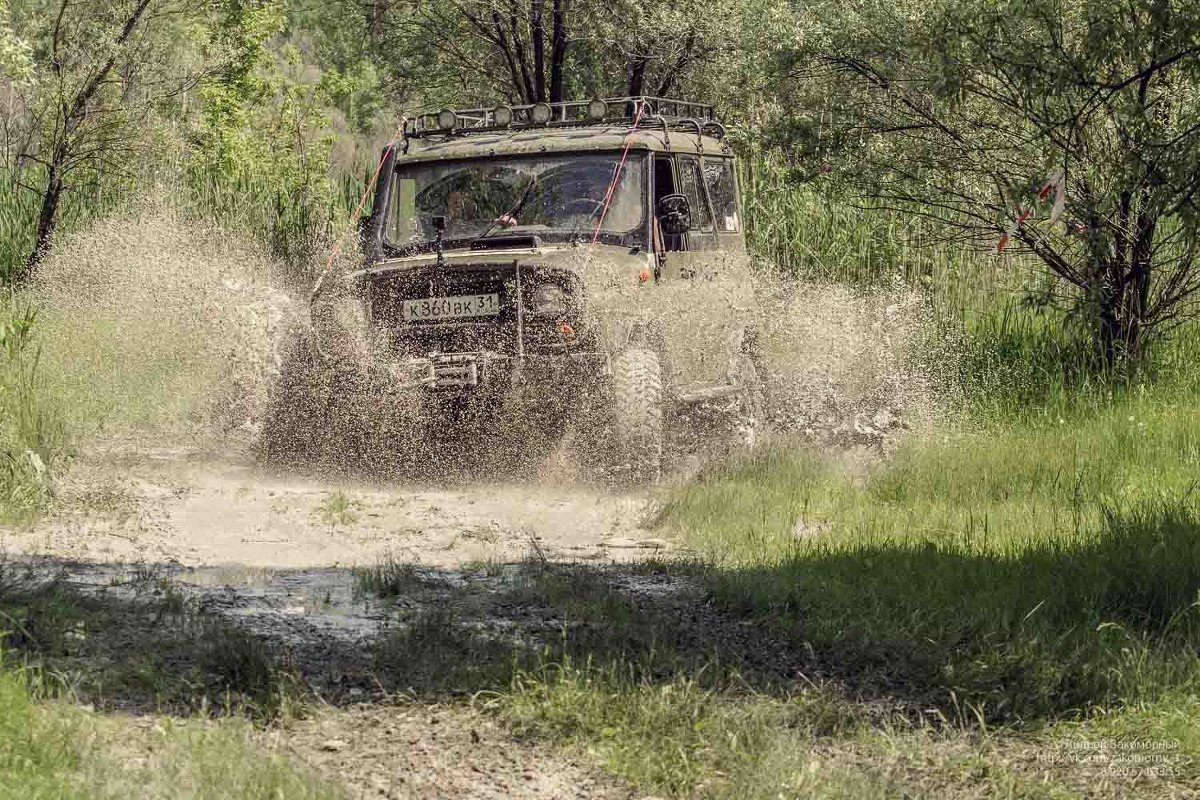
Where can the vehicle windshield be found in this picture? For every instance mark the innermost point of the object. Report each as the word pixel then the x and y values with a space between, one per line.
pixel 546 196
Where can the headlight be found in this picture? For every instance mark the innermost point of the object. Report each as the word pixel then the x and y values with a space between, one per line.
pixel 549 300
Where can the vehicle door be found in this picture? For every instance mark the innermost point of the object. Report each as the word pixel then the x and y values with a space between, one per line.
pixel 705 281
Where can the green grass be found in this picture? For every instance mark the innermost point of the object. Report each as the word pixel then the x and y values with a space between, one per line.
pixel 983 615
pixel 31 431
pixel 1035 570
pixel 337 509
pixel 50 748
pixel 175 701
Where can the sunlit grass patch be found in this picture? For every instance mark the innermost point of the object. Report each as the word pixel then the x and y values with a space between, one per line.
pixel 1029 571
pixel 52 748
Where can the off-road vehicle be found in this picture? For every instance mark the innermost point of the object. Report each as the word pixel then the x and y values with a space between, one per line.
pixel 586 256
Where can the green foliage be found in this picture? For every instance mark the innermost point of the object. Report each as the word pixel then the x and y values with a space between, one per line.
pixel 16 54
pixel 964 111
pixel 262 160
pixel 814 230
pixel 239 46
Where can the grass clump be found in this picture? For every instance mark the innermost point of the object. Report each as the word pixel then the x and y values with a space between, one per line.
pixel 338 509
pixel 391 578
pixel 31 432
pixel 50 748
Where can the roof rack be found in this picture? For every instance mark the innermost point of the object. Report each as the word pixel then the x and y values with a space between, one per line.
pixel 660 111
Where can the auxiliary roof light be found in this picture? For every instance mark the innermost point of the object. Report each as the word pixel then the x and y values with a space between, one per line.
pixel 541 113
pixel 597 109
pixel 502 115
pixel 447 119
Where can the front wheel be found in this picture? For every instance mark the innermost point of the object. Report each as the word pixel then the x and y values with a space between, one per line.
pixel 638 413
pixel 750 410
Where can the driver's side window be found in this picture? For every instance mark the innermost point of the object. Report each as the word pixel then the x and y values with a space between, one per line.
pixel 664 184
pixel 691 181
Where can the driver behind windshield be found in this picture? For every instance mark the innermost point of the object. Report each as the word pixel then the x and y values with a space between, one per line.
pixel 562 194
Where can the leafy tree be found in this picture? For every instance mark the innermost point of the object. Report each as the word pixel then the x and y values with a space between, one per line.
pixel 966 112
pixel 547 50
pixel 16 57
pixel 97 74
pixel 261 153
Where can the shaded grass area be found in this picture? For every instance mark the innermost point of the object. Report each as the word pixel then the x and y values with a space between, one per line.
pixel 653 671
pixel 132 654
pixel 141 647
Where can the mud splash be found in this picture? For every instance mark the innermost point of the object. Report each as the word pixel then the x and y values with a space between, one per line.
pixel 152 325
pixel 845 366
pixel 155 326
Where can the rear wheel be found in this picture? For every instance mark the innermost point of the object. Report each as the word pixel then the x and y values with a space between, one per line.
pixel 638 413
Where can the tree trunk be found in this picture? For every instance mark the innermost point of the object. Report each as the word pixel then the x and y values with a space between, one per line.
pixel 47 219
pixel 558 50
pixel 1121 324
pixel 73 116
pixel 637 76
pixel 538 25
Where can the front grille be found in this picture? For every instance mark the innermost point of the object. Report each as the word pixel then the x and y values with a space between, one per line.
pixel 496 333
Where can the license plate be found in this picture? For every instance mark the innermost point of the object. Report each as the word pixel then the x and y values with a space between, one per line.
pixel 456 307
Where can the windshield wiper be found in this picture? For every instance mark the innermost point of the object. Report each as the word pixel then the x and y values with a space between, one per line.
pixel 510 214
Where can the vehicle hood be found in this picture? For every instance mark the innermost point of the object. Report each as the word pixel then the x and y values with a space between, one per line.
pixel 582 259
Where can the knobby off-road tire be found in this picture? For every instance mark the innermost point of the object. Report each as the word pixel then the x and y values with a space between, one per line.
pixel 638 413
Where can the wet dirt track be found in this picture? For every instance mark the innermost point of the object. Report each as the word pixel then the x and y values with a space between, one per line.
pixel 279 553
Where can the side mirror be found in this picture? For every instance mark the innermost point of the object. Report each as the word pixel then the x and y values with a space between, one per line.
pixel 674 214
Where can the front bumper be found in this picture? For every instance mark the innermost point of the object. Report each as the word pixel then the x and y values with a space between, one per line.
pixel 468 371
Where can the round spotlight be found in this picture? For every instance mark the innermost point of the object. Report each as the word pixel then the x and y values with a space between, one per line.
pixel 447 119
pixel 502 115
pixel 541 113
pixel 597 109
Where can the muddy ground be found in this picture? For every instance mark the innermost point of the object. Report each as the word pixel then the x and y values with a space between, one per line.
pixel 282 554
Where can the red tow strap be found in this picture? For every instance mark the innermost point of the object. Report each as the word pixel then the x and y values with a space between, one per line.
pixel 612 186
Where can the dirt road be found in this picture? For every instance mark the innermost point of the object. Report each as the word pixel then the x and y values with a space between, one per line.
pixel 281 554
pixel 200 509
